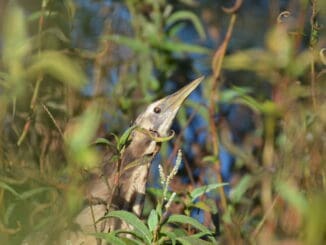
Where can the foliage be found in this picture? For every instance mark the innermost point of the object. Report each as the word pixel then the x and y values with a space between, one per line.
pixel 63 105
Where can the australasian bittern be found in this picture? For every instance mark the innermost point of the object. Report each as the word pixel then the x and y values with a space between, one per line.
pixel 122 184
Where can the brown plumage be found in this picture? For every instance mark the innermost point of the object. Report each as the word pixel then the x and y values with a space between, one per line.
pixel 122 187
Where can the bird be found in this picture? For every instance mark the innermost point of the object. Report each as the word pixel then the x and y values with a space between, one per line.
pixel 122 184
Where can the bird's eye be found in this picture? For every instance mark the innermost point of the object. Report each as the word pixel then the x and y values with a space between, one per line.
pixel 157 110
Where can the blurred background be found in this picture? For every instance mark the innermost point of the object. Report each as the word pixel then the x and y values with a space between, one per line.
pixel 74 71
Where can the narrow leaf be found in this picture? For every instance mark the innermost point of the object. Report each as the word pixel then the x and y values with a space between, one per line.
pixel 6 187
pixel 58 66
pixel 204 189
pixel 110 238
pixel 187 15
pixel 130 42
pixel 125 137
pixel 152 220
pixel 33 192
pixel 190 240
pixel 183 219
pixel 133 220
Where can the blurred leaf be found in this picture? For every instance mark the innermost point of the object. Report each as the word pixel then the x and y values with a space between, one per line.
pixel 103 141
pixel 278 41
pixel 179 218
pixel 133 43
pixel 177 47
pixel 15 42
pixel 201 205
pixel 79 136
pixel 237 192
pixel 125 137
pixel 37 14
pixel 251 60
pixel 190 240
pixel 15 47
pixel 300 64
pixel 111 238
pixel 228 95
pixel 9 211
pixel 171 235
pixel 152 220
pixel 74 198
pixel 293 196
pixel 182 15
pixel 133 220
pixel 33 192
pixel 59 66
pixel 204 189
pixel 210 159
pixel 6 187
pixel 173 30
pixel 315 222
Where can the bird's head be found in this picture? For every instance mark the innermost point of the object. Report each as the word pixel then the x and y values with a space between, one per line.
pixel 159 115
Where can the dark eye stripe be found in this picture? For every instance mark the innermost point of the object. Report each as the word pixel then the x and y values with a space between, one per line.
pixel 157 110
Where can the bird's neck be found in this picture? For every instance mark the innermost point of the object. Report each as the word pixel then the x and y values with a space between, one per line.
pixel 135 164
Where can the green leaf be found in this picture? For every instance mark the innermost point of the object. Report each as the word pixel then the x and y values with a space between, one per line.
pixel 9 211
pixel 111 238
pixel 201 205
pixel 125 137
pixel 58 66
pixel 210 159
pixel 152 220
pixel 229 95
pixel 190 240
pixel 133 43
pixel 133 220
pixel 187 15
pixel 37 14
pixel 103 141
pixel 293 196
pixel 15 42
pixel 204 189
pixel 245 183
pixel 251 60
pixel 6 187
pixel 178 47
pixel 30 193
pixel 79 137
pixel 183 219
pixel 171 235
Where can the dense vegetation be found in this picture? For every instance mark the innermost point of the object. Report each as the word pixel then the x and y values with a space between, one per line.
pixel 73 74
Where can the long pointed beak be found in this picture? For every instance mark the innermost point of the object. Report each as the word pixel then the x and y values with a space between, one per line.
pixel 174 101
